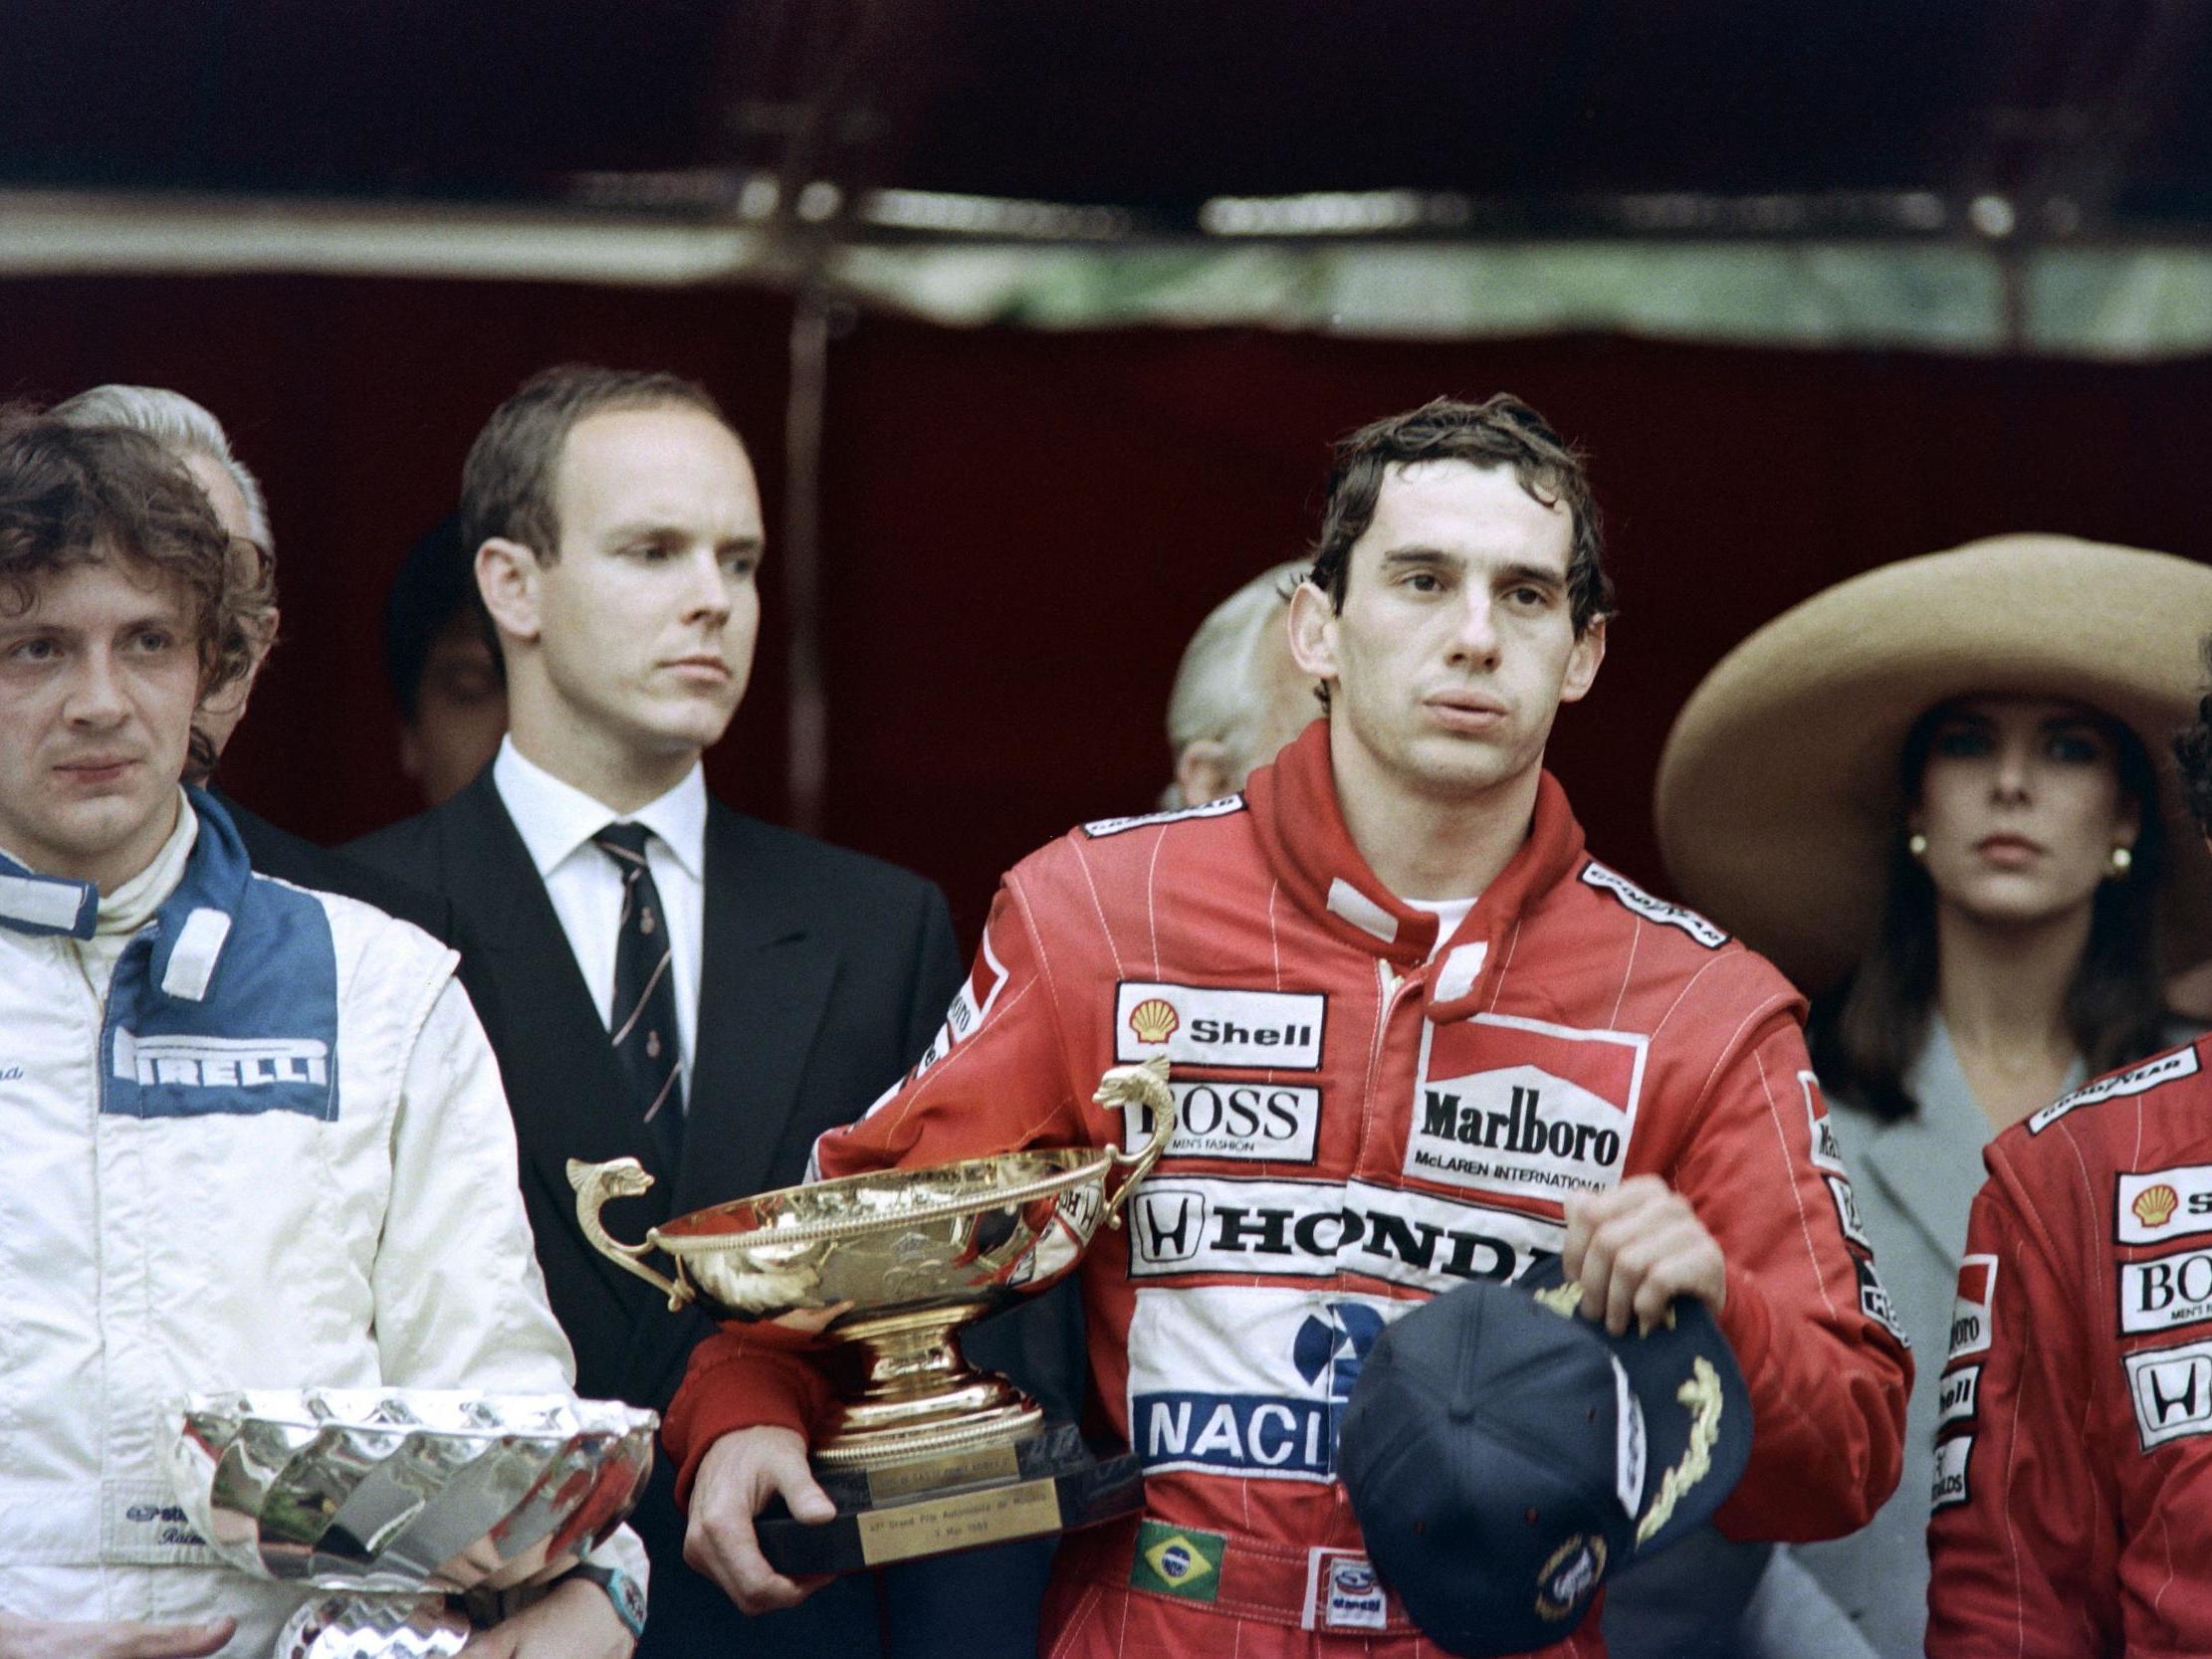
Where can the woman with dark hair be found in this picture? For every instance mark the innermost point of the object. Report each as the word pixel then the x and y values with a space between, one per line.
pixel 1928 795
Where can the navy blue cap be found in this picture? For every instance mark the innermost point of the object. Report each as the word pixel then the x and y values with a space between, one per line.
pixel 1504 1455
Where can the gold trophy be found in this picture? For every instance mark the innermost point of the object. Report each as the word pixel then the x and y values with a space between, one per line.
pixel 923 1454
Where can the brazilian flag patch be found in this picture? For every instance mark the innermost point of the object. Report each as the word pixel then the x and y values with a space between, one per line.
pixel 1178 1561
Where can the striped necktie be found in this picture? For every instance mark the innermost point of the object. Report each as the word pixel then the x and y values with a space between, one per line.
pixel 641 1020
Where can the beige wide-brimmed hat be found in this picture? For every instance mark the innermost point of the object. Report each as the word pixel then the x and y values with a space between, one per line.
pixel 1779 802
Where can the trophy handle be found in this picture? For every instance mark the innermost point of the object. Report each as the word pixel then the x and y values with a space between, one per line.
pixel 1145 1083
pixel 624 1177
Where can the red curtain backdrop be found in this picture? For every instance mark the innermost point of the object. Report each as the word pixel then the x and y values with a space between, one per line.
pixel 1021 528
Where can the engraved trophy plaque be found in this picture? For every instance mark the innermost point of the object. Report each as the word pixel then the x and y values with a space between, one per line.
pixel 922 1453
pixel 394 1498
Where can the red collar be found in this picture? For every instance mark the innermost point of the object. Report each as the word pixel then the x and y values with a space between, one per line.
pixel 1294 811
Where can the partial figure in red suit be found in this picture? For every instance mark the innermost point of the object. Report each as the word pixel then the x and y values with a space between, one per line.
pixel 2073 1501
pixel 1418 1036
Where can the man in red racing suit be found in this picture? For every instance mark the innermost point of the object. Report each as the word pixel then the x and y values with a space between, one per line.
pixel 1368 1114
pixel 2074 1464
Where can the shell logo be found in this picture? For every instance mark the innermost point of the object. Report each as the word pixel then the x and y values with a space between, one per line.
pixel 2154 1205
pixel 1154 1021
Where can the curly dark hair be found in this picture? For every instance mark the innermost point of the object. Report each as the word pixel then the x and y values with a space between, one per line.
pixel 1500 432
pixel 71 496
pixel 2192 751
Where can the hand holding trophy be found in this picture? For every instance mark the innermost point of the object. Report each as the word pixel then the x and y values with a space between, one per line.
pixel 923 1454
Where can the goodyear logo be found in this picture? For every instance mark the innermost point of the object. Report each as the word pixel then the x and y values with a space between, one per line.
pixel 1178 1561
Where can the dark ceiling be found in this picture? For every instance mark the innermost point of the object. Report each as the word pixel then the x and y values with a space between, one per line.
pixel 1522 117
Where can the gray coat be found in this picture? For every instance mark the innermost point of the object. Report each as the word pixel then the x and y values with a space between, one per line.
pixel 1915 1180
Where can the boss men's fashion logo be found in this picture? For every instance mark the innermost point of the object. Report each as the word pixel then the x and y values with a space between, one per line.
pixel 2166 1291
pixel 1244 1379
pixel 1273 1122
pixel 1970 1314
pixel 1515 1106
pixel 1204 1025
pixel 1314 1228
pixel 1951 1460
pixel 2171 1389
pixel 2159 1204
pixel 2182 1061
pixel 1653 910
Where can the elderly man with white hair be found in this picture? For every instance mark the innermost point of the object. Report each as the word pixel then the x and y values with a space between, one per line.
pixel 1238 698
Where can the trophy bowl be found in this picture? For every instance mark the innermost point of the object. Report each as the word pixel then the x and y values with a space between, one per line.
pixel 397 1497
pixel 885 1268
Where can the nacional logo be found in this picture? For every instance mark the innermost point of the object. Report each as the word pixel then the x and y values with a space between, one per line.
pixel 1970 1314
pixel 1514 1105
pixel 1253 1121
pixel 1311 1229
pixel 1246 1380
pixel 2172 1389
pixel 2166 1291
pixel 1208 1026
pixel 2159 1204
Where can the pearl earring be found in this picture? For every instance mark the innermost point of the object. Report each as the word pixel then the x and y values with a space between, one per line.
pixel 1917 844
pixel 2119 864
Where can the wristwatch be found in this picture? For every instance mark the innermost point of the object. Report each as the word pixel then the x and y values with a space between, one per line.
pixel 628 1595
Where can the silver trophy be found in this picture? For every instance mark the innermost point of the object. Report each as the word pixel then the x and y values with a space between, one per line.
pixel 394 1498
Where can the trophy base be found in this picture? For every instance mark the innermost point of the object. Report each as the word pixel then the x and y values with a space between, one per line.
pixel 368 1626
pixel 1050 1483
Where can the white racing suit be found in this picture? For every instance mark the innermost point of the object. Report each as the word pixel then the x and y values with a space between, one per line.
pixel 255 1139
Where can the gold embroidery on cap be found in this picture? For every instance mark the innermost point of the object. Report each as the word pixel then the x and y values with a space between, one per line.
pixel 1562 1300
pixel 1701 1393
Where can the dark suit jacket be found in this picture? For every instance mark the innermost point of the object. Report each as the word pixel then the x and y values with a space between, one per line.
pixel 280 853
pixel 823 977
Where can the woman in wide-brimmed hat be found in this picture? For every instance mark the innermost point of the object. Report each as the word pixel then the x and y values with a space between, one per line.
pixel 1932 795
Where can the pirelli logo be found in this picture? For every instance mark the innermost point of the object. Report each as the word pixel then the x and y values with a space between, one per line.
pixel 220 1062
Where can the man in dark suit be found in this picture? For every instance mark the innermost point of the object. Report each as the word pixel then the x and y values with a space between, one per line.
pixel 674 982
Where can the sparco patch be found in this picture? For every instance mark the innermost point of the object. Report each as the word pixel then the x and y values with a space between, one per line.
pixel 1653 910
pixel 2159 1204
pixel 2171 1389
pixel 1312 1229
pixel 2182 1061
pixel 1099 828
pixel 1515 1106
pixel 1273 1122
pixel 2166 1291
pixel 1212 1025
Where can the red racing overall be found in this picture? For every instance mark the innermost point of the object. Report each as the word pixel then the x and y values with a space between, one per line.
pixel 1366 1119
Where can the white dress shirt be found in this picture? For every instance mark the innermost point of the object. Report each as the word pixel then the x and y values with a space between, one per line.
pixel 557 822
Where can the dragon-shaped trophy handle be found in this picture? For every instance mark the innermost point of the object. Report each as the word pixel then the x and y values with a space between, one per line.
pixel 624 1177
pixel 1144 1083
